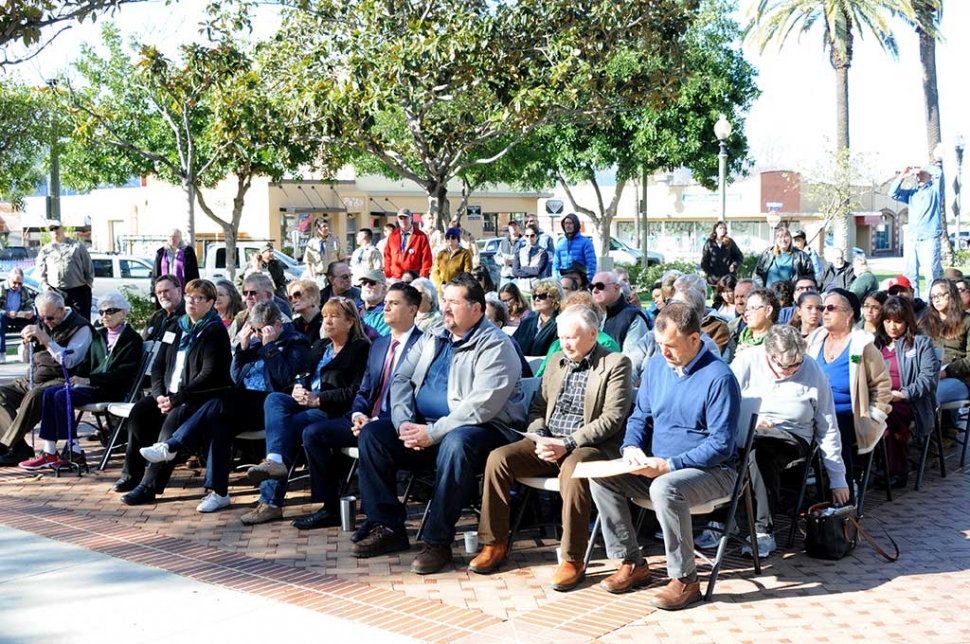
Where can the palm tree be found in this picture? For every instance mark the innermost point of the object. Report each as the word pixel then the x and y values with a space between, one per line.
pixel 842 21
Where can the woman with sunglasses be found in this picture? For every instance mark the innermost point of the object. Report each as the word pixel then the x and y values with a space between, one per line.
pixel 452 261
pixel 483 277
pixel 115 355
pixel 530 261
pixel 537 332
pixel 808 313
pixel 228 301
pixel 963 289
pixel 914 371
pixel 335 367
pixel 304 298
pixel 856 372
pixel 948 326
pixel 796 408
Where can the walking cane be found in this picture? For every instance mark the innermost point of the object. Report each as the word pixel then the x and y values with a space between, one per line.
pixel 30 385
pixel 70 465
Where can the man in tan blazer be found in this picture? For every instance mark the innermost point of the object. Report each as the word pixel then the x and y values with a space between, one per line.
pixel 579 410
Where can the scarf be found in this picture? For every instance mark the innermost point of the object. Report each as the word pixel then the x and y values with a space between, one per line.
pixel 191 332
pixel 176 267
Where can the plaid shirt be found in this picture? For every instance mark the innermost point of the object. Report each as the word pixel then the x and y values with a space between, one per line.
pixel 567 416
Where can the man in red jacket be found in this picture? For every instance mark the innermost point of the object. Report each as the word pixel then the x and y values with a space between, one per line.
pixel 407 249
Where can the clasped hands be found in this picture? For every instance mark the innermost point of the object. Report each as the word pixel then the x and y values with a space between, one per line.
pixel 414 436
pixel 305 397
pixel 650 466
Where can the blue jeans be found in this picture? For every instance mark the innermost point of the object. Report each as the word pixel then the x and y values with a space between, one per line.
pixel 924 254
pixel 458 460
pixel 285 419
pixel 950 390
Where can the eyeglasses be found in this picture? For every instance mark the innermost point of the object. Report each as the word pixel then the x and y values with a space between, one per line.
pixel 104 312
pixel 755 308
pixel 540 297
pixel 599 286
pixel 202 298
pixel 787 368
pixel 295 295
pixel 939 296
pixel 247 294
pixel 872 307
pixel 830 308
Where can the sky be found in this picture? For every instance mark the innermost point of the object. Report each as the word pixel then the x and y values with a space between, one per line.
pixel 791 126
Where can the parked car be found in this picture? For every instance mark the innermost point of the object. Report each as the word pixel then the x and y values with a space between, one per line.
pixel 214 264
pixel 17 253
pixel 623 253
pixel 111 273
pixel 964 240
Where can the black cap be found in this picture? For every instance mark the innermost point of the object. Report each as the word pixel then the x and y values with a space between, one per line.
pixel 799 234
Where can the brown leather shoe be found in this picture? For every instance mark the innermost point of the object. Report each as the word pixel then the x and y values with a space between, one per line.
pixel 628 577
pixel 489 559
pixel 568 575
pixel 678 594
pixel 381 540
pixel 432 558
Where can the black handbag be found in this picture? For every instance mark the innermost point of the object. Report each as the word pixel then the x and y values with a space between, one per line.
pixel 832 532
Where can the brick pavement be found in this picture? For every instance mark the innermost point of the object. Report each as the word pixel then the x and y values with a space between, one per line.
pixel 924 597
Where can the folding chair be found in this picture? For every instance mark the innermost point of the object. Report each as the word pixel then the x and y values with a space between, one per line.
pixel 810 461
pixel 937 433
pixel 747 420
pixel 866 474
pixel 122 409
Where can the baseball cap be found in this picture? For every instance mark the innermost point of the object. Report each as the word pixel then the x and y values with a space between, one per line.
pixel 799 234
pixel 899 280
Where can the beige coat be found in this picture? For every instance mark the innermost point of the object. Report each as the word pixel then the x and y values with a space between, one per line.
pixel 869 384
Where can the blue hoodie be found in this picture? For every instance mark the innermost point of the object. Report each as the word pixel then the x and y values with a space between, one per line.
pixel 575 248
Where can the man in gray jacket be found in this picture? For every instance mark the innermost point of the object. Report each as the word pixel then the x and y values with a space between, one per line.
pixel 454 399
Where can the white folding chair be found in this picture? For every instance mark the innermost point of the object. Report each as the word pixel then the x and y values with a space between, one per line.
pixel 122 409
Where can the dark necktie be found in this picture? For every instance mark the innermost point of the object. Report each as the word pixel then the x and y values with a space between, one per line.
pixel 385 379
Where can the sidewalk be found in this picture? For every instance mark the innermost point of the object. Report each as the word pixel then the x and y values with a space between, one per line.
pixel 53 592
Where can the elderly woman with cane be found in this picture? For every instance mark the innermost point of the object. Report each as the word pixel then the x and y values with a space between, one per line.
pixel 115 353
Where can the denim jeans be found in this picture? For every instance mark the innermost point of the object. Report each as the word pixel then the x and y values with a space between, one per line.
pixel 924 254
pixel 458 460
pixel 285 419
pixel 950 390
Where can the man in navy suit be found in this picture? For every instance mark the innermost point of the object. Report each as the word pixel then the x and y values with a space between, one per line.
pixel 320 439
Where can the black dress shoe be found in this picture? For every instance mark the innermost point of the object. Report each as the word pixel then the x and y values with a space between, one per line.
pixel 141 495
pixel 13 456
pixel 124 484
pixel 322 518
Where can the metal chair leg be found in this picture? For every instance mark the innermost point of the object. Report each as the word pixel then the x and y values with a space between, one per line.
pixel 885 470
pixel 801 499
pixel 861 500
pixel 112 444
pixel 517 521
pixel 597 527
pixel 939 445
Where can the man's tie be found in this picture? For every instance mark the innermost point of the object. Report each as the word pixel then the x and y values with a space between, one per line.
pixel 385 379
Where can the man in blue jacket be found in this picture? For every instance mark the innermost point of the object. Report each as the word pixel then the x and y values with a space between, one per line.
pixel 925 200
pixel 574 247
pixel 682 436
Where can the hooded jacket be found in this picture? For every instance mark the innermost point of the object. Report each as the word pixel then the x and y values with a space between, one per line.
pixel 576 248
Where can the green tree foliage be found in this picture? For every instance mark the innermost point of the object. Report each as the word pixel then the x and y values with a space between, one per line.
pixel 677 133
pixel 24 138
pixel 33 24
pixel 435 88
pixel 193 122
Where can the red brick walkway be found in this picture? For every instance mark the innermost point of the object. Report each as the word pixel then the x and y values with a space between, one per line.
pixel 924 597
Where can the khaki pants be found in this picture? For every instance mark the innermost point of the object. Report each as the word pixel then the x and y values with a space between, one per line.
pixel 20 408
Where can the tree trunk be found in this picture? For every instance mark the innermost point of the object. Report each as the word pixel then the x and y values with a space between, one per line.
pixel 190 194
pixel 931 102
pixel 439 209
pixel 230 229
pixel 841 225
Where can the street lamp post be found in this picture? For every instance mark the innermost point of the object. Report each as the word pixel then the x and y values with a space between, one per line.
pixel 959 146
pixel 722 130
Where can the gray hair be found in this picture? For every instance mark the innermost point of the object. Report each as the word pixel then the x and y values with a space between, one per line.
pixel 261 281
pixel 692 298
pixel 587 317
pixel 425 285
pixel 114 300
pixel 862 263
pixel 265 314
pixel 785 344
pixel 693 281
pixel 501 309
pixel 50 298
pixel 16 270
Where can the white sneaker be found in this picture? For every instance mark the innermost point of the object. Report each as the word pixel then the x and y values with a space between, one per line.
pixel 710 538
pixel 157 453
pixel 766 545
pixel 212 502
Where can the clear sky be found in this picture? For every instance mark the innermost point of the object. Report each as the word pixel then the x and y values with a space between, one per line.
pixel 792 124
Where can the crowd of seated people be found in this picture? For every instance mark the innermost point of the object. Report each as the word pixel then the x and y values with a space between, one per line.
pixel 426 376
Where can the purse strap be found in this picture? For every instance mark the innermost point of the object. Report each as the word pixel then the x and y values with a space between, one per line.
pixel 872 542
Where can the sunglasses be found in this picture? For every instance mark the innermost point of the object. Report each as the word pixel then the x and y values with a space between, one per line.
pixel 599 286
pixel 104 312
pixel 365 282
pixel 450 237
pixel 530 236
pixel 831 308
pixel 540 297
pixel 248 294
pixel 53 228
pixel 295 295
pixel 48 318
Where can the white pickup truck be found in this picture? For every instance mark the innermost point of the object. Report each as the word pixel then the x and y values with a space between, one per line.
pixel 214 264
